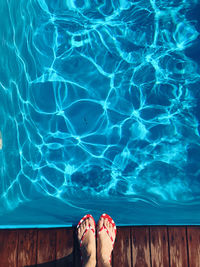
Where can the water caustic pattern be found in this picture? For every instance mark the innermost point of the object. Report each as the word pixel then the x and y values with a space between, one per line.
pixel 99 110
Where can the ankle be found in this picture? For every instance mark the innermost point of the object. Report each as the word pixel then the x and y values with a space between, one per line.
pixel 90 261
pixel 104 263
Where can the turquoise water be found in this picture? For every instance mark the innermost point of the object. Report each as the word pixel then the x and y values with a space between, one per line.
pixel 99 111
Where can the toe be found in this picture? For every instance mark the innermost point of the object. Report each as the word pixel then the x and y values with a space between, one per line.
pixel 112 232
pixel 80 227
pixel 110 227
pixel 86 223
pixel 91 222
pixel 100 223
pixel 79 232
pixel 106 223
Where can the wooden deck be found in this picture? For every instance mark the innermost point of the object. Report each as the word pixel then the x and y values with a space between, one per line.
pixel 135 246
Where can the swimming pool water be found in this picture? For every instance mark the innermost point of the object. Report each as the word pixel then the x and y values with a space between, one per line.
pixel 99 111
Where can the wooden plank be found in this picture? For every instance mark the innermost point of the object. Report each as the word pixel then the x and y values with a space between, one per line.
pixel 140 247
pixel 46 248
pixel 8 248
pixel 19 247
pixel 178 247
pixel 193 237
pixel 64 247
pixel 159 247
pixel 122 248
pixel 27 247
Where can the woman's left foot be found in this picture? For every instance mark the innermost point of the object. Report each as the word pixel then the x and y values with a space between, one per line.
pixel 106 234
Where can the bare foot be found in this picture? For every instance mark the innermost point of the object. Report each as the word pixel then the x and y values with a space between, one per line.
pixel 105 242
pixel 87 242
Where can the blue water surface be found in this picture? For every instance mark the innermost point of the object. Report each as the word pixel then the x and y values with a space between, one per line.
pixel 99 111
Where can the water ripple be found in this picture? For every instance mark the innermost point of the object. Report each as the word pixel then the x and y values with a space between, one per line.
pixel 99 100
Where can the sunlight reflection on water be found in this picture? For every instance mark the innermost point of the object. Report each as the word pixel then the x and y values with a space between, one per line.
pixel 100 98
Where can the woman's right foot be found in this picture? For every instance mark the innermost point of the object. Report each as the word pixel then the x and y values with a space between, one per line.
pixel 86 238
pixel 106 233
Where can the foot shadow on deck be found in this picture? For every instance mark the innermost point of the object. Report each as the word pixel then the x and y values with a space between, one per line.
pixel 71 260
pixel 68 261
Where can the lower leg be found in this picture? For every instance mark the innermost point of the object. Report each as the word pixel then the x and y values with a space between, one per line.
pixel 90 262
pixel 89 259
pixel 104 264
